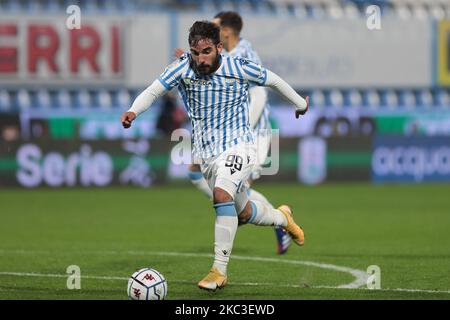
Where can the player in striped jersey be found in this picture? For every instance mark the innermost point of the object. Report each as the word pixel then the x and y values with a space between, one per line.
pixel 231 24
pixel 215 91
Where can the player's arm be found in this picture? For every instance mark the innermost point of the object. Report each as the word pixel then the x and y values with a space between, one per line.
pixel 255 73
pixel 258 100
pixel 165 82
pixel 258 95
pixel 282 87
pixel 143 102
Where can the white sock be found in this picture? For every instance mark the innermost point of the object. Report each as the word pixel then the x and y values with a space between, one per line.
pixel 263 214
pixel 199 181
pixel 224 232
pixel 255 195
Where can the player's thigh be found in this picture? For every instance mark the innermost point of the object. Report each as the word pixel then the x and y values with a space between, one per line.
pixel 233 168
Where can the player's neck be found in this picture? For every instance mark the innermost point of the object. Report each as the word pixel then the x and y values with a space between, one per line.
pixel 232 43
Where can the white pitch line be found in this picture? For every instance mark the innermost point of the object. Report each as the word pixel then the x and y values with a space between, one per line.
pixel 388 289
pixel 360 275
pixel 248 284
pixel 54 275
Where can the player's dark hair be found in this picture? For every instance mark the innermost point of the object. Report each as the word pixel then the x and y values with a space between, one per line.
pixel 230 19
pixel 204 30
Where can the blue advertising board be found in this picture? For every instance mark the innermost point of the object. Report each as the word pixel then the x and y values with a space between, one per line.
pixel 410 159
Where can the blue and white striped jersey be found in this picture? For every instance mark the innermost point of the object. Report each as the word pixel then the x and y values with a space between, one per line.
pixel 217 104
pixel 244 49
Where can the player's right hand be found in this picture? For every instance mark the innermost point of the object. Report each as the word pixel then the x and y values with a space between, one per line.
pixel 178 52
pixel 127 119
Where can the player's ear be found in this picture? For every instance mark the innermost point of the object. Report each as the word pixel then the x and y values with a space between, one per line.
pixel 220 47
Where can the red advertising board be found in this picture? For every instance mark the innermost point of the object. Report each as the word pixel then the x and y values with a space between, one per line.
pixel 39 49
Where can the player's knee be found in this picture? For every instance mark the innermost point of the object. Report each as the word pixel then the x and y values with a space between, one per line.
pixel 243 218
pixel 221 196
pixel 245 215
pixel 194 167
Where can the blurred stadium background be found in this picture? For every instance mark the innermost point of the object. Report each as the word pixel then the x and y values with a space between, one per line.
pixel 62 91
pixel 380 114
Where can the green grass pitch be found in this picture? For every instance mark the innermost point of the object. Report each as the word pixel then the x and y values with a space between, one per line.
pixel 404 229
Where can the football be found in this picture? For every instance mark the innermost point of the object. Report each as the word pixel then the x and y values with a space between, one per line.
pixel 147 284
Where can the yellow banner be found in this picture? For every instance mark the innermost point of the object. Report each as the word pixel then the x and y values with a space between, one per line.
pixel 444 53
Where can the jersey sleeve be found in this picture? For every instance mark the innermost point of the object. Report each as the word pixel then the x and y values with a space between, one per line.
pixel 253 72
pixel 173 73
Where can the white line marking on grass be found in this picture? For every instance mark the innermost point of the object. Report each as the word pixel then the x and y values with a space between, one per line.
pixel 248 284
pixel 53 275
pixel 387 289
pixel 360 275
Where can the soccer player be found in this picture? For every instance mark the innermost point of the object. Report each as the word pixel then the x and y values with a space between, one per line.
pixel 215 91
pixel 231 24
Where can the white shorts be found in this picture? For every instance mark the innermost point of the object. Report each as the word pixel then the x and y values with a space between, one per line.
pixel 230 170
pixel 262 145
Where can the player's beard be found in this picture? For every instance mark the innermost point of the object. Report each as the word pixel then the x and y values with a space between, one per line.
pixel 204 70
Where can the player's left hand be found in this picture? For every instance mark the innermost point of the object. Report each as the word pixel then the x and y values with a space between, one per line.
pixel 302 112
pixel 127 119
